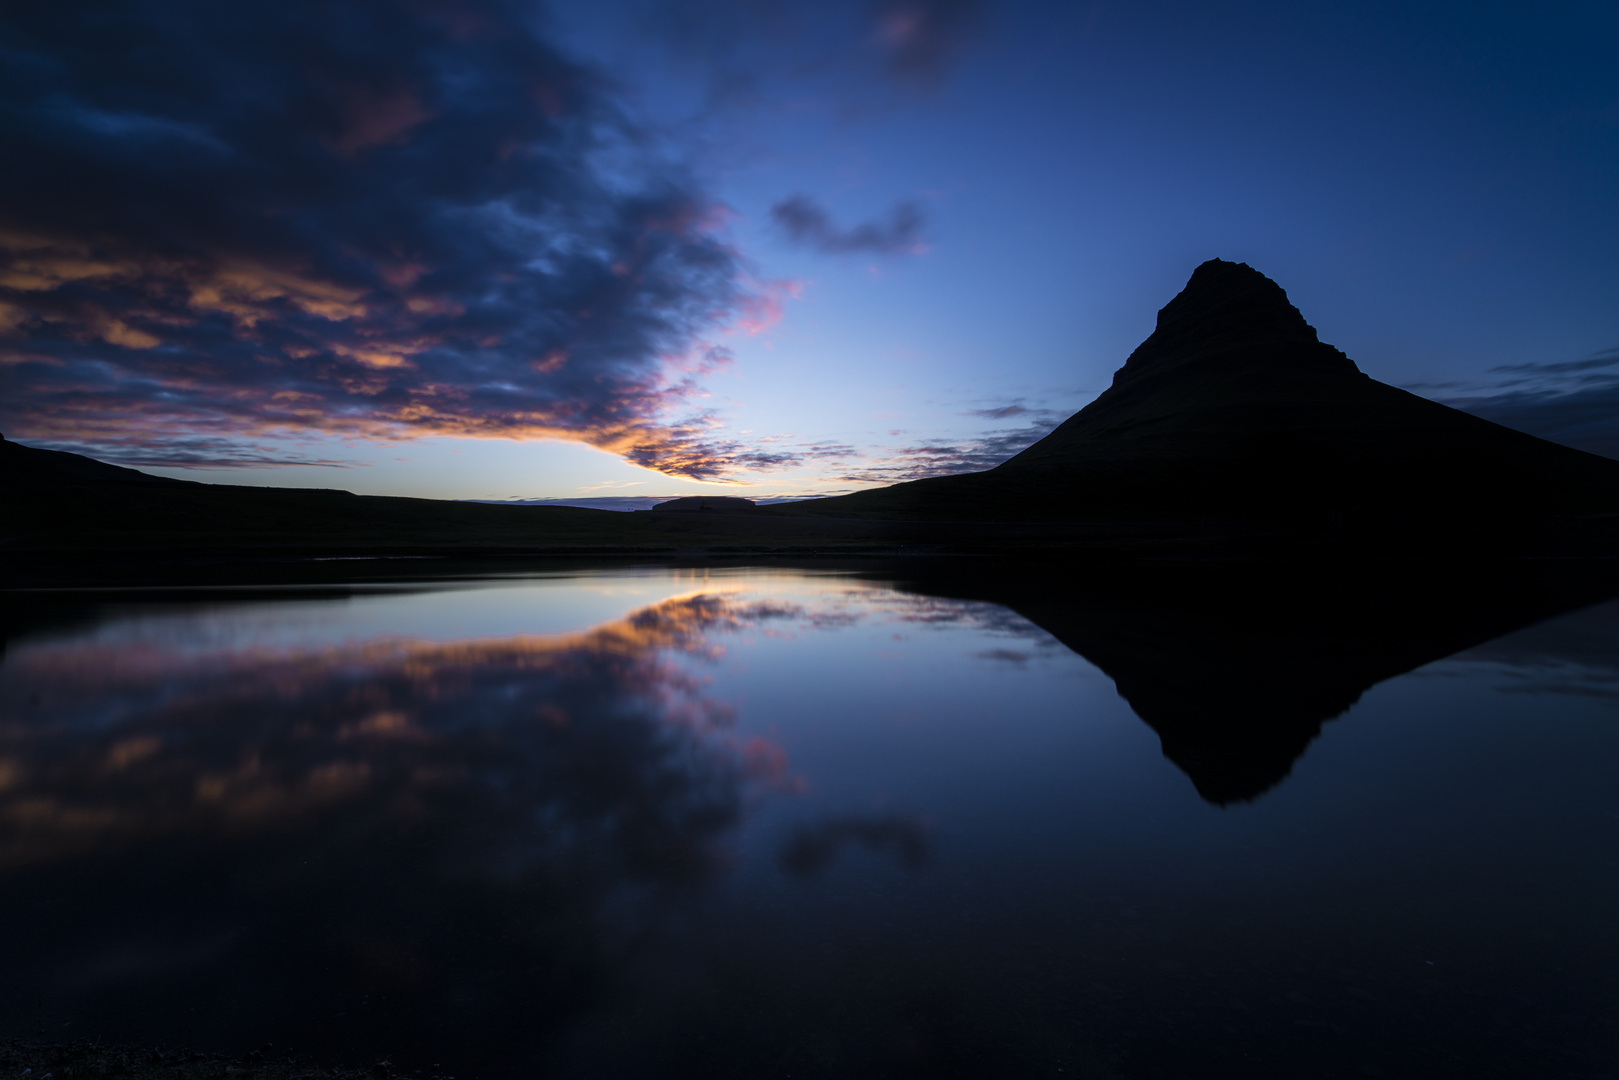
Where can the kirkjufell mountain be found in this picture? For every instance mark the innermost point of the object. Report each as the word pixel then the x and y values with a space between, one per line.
pixel 1232 431
pixel 1234 410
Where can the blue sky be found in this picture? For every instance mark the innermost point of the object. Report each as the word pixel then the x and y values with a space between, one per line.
pixel 490 250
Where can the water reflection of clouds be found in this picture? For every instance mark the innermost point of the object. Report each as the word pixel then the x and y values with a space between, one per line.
pixel 879 606
pixel 1560 678
pixel 118 734
pixel 1576 655
pixel 845 608
pixel 119 740
pixel 475 830
pixel 812 848
pixel 1015 657
pixel 485 831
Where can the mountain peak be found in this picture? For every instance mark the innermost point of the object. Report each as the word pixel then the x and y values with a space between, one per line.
pixel 1235 411
pixel 1229 314
pixel 1220 290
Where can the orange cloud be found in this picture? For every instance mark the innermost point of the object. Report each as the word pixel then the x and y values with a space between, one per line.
pixel 246 292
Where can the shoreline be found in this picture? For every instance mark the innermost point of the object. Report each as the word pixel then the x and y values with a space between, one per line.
pixel 82 1059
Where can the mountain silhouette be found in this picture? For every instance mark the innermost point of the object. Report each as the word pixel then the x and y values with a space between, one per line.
pixel 1234 410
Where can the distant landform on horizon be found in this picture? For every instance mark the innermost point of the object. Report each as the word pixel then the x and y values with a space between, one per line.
pixel 1234 410
pixel 1231 430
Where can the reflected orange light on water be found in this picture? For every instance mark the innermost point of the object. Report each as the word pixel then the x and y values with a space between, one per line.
pixel 109 743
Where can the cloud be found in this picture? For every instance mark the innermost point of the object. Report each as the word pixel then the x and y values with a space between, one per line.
pixel 1572 402
pixel 806 222
pixel 1584 419
pixel 946 457
pixel 231 222
pixel 198 453
pixel 1606 359
pixel 922 39
pixel 855 56
pixel 827 450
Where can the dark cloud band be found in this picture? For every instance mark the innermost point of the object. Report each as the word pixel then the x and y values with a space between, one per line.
pixel 1573 402
pixel 944 458
pixel 226 221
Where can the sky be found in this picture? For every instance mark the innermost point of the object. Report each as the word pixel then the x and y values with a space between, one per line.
pixel 614 249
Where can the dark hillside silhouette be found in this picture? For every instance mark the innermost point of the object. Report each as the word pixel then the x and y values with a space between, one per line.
pixel 1233 410
pixel 61 504
pixel 31 471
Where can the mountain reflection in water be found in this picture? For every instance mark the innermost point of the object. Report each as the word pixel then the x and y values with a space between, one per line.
pixel 1237 666
pixel 533 850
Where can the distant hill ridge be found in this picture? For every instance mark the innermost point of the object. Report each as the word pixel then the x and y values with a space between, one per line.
pixel 705 504
pixel 1234 410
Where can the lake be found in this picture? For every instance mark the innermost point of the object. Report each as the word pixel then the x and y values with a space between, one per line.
pixel 806 822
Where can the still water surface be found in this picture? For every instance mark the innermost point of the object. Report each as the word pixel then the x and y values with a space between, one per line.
pixel 787 823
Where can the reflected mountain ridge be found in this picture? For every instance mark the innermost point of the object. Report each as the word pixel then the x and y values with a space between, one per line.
pixel 1237 666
